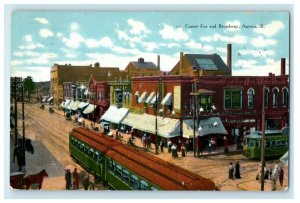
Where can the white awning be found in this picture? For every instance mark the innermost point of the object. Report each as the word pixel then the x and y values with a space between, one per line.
pixel 137 93
pixel 167 100
pixel 143 97
pixel 149 99
pixel 50 98
pixel 69 105
pixel 114 114
pixel 154 99
pixel 89 109
pixel 74 107
pixel 82 105
pixel 285 158
pixel 207 126
pixel 166 127
pixel 65 103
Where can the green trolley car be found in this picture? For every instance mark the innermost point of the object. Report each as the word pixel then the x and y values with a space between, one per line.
pixel 122 167
pixel 276 144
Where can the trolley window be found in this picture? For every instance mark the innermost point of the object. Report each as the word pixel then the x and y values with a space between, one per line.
pixel 268 144
pixel 257 143
pixel 283 142
pixel 111 166
pixel 86 149
pixel 96 156
pixel 126 176
pixel 251 143
pixel 82 147
pixel 144 185
pixel 119 171
pixel 134 182
pixel 153 188
pixel 91 152
pixel 272 143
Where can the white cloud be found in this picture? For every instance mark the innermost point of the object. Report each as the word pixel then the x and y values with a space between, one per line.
pixel 46 33
pixel 104 42
pixel 73 41
pixel 270 29
pixel 262 42
pixel 74 27
pixel 38 73
pixel 233 25
pixel 28 38
pixel 42 20
pixel 150 46
pixel 257 53
pixel 245 63
pixel 169 33
pixel 194 45
pixel 236 39
pixel 124 36
pixel 41 59
pixel 271 66
pixel 31 46
pixel 137 27
pixel 169 45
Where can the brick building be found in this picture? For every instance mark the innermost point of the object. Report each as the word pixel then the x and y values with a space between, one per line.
pixel 143 68
pixel 211 64
pixel 237 101
pixel 73 73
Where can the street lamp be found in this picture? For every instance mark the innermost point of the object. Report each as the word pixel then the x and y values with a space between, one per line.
pixel 156 130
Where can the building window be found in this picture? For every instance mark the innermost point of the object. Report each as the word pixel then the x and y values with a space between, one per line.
pixel 233 98
pixel 285 97
pixel 100 96
pixel 275 96
pixel 206 102
pixel 266 97
pixel 250 98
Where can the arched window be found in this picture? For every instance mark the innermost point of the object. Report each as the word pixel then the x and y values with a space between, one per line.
pixel 250 98
pixel 266 97
pixel 275 96
pixel 285 97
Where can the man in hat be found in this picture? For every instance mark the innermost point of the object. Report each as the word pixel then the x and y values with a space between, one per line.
pixel 68 179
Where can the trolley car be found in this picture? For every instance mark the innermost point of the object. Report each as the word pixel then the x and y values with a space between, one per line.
pixel 122 167
pixel 276 144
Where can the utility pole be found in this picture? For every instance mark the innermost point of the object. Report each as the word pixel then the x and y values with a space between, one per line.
pixel 16 111
pixel 23 126
pixel 156 107
pixel 263 143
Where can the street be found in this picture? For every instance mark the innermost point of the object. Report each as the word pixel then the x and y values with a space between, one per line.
pixel 49 135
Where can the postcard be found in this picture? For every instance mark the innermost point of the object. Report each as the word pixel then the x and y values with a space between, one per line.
pixel 171 101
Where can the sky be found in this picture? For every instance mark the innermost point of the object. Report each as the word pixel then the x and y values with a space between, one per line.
pixel 40 39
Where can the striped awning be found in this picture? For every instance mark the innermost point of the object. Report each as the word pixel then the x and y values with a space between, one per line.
pixel 143 97
pixel 50 99
pixel 149 99
pixel 167 99
pixel 74 107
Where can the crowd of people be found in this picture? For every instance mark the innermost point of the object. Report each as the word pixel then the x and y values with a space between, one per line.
pixel 73 180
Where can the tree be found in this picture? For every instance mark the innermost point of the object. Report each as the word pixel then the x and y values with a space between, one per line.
pixel 29 86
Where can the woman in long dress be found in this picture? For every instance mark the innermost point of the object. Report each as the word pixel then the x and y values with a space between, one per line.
pixel 237 170
pixel 230 170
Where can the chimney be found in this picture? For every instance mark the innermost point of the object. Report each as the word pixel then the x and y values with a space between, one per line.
pixel 229 58
pixel 180 63
pixel 141 60
pixel 202 73
pixel 158 62
pixel 97 65
pixel 282 66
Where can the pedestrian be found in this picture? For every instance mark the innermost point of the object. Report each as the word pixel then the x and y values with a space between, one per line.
pixel 275 174
pixel 161 144
pixel 179 144
pixel 209 146
pixel 183 150
pixel 281 175
pixel 226 150
pixel 117 134
pixel 174 151
pixel 237 170
pixel 86 182
pixel 68 179
pixel 187 145
pixel 230 170
pixel 75 179
pixel 267 174
pixel 144 141
pixel 169 146
pixel 91 182
pixel 132 133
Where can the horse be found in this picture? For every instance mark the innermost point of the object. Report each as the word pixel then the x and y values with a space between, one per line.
pixel 35 179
